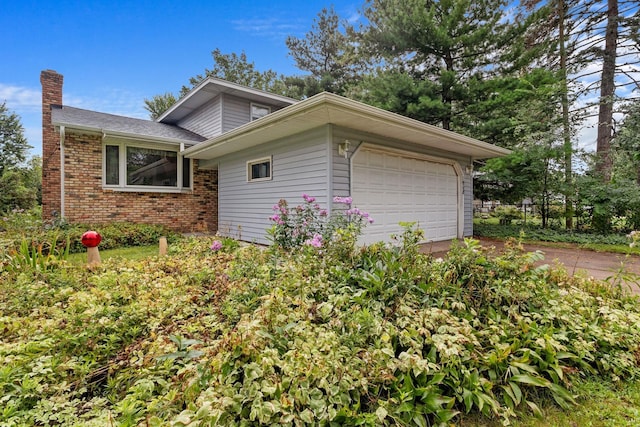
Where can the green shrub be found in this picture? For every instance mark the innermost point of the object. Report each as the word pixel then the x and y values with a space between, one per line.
pixel 21 225
pixel 506 214
pixel 536 233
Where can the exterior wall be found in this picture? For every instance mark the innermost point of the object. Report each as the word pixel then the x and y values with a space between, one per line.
pixel 468 200
pixel 299 165
pixel 206 121
pixel 51 95
pixel 87 202
pixel 340 166
pixel 237 111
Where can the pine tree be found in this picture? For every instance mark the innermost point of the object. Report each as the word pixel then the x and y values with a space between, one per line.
pixel 441 46
pixel 13 144
pixel 328 52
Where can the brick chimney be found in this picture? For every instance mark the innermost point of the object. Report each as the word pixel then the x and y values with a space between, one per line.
pixel 51 95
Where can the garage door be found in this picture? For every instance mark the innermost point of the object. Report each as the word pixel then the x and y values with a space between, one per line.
pixel 394 187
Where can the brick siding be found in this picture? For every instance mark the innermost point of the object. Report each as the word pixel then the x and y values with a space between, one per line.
pixel 51 95
pixel 87 202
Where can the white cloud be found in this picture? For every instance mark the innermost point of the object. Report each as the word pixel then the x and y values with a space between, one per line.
pixel 27 103
pixel 267 27
pixel 20 98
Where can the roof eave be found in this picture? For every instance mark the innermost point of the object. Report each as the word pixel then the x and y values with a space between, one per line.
pixel 218 146
pixel 125 135
pixel 226 84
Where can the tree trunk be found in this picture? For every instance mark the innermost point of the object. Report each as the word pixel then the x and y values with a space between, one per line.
pixel 566 125
pixel 607 93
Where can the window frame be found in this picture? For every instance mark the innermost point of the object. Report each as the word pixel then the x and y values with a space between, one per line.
pixel 122 168
pixel 255 104
pixel 250 163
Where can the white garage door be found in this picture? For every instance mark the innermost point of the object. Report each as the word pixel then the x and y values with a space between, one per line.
pixel 394 187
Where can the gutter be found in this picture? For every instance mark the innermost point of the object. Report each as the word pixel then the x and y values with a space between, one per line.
pixel 62 134
pixel 138 137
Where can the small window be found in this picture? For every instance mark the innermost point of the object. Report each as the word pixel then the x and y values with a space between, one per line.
pixel 259 170
pixel 258 111
pixel 112 172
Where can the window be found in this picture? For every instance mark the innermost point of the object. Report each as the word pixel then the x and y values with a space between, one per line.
pixel 258 111
pixel 259 170
pixel 145 169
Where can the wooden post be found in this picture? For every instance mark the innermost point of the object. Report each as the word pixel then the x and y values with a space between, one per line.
pixel 163 246
pixel 93 256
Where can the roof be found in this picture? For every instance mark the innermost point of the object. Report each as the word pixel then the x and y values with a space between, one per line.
pixel 121 126
pixel 328 108
pixel 212 87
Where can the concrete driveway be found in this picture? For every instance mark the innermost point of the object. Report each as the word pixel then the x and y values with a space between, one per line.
pixel 600 265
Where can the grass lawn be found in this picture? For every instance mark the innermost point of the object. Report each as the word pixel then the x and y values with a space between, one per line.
pixel 599 404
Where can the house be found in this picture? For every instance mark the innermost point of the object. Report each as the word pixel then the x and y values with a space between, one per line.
pixel 224 154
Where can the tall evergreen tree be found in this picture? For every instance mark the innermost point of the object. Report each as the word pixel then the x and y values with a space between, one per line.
pixel 440 46
pixel 626 146
pixel 13 144
pixel 327 51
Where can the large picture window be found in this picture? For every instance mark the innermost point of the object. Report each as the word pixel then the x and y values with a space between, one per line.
pixel 144 168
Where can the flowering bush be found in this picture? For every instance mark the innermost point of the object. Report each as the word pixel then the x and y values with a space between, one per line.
pixel 309 225
pixel 634 236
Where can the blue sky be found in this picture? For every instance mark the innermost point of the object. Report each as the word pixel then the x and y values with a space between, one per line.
pixel 114 54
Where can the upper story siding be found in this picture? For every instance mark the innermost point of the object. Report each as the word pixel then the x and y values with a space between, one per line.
pixel 205 121
pixel 222 114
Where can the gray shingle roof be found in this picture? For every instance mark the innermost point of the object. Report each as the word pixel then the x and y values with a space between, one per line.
pixel 110 123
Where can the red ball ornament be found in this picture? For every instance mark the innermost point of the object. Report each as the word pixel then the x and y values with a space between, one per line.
pixel 91 239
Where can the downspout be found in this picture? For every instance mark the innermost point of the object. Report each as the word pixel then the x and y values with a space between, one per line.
pixel 61 172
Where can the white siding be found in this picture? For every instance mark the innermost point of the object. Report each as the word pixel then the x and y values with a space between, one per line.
pixel 205 121
pixel 299 166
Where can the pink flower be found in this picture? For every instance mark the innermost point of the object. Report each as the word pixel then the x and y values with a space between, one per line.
pixel 308 198
pixel 345 200
pixel 216 245
pixel 316 242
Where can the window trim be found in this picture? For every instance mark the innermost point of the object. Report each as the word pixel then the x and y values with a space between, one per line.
pixel 250 163
pixel 122 168
pixel 255 104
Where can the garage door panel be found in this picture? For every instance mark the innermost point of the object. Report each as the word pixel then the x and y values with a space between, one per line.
pixel 395 188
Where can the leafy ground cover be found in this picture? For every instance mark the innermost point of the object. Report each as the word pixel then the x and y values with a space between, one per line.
pixel 321 332
pixel 618 243
pixel 130 253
